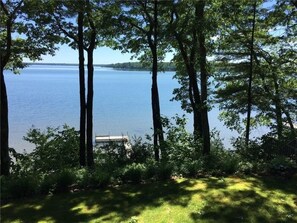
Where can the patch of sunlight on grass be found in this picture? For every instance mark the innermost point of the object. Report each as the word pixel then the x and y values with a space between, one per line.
pixel 29 206
pixel 15 221
pixel 37 207
pixel 239 185
pixel 165 213
pixel 7 206
pixel 47 220
pixel 82 208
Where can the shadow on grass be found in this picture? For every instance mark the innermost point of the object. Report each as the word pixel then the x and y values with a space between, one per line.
pixel 254 200
pixel 220 200
pixel 111 205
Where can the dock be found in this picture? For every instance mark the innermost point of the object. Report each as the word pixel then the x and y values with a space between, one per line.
pixel 108 139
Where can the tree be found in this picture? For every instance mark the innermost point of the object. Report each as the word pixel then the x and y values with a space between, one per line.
pixel 189 30
pixel 268 50
pixel 20 37
pixel 141 33
pixel 80 25
pixel 249 100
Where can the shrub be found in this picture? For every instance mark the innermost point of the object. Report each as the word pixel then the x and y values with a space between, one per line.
pixel 141 151
pixel 164 171
pixel 47 184
pixel 133 172
pixel 151 169
pixel 99 178
pixel 245 167
pixel 63 181
pixel 221 162
pixel 55 149
pixel 88 178
pixel 18 187
pixel 281 164
pixel 191 168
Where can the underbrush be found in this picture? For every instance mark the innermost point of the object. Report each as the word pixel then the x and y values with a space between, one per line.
pixel 34 173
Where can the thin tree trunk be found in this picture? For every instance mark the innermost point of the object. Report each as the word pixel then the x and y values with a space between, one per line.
pixel 5 160
pixel 278 110
pixel 4 58
pixel 90 51
pixel 82 141
pixel 199 13
pixel 249 109
pixel 90 158
pixel 157 123
pixel 193 90
pixel 195 103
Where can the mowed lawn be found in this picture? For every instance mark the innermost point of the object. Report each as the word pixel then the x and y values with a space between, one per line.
pixel 229 199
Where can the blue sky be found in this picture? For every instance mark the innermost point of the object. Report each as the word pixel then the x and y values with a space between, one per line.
pixel 102 55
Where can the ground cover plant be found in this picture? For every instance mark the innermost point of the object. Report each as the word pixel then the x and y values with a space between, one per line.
pixel 229 199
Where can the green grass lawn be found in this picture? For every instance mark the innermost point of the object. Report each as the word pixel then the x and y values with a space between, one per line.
pixel 183 200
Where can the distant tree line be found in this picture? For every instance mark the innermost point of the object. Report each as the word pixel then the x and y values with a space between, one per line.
pixel 165 66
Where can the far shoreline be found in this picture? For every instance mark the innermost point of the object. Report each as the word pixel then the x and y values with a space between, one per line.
pixel 128 66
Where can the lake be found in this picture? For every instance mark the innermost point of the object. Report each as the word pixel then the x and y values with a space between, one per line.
pixel 48 95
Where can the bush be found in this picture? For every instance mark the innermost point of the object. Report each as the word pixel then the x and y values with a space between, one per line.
pixel 18 187
pixel 55 149
pixel 47 184
pixel 63 181
pixel 221 162
pixel 151 169
pixel 96 178
pixel 164 171
pixel 245 167
pixel 281 164
pixel 141 152
pixel 191 168
pixel 133 172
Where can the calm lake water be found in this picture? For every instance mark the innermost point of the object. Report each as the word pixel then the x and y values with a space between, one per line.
pixel 44 95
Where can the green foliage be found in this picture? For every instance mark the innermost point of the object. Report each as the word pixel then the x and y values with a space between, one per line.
pixel 141 151
pixel 133 172
pixel 164 171
pixel 166 66
pixel 47 184
pixel 221 162
pixel 191 168
pixel 180 144
pixel 63 181
pixel 18 186
pixel 97 178
pixel 59 182
pixel 54 149
pixel 151 169
pixel 245 167
pixel 282 164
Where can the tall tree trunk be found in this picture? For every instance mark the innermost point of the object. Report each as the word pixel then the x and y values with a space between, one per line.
pixel 90 158
pixel 90 52
pixel 5 160
pixel 4 58
pixel 193 90
pixel 249 109
pixel 194 95
pixel 82 131
pixel 199 13
pixel 157 123
pixel 204 107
